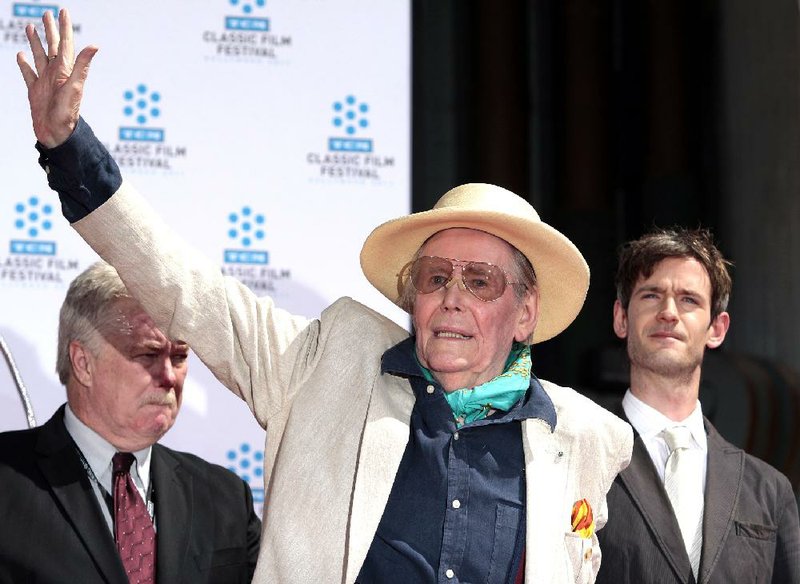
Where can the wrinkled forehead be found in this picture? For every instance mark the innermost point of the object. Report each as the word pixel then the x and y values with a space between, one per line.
pixel 129 325
pixel 468 245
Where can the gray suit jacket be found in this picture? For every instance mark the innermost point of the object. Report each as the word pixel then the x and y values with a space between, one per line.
pixel 53 530
pixel 751 531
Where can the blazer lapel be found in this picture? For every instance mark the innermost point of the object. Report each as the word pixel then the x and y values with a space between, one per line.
pixel 58 460
pixel 547 522
pixel 174 500
pixel 648 494
pixel 382 446
pixel 723 483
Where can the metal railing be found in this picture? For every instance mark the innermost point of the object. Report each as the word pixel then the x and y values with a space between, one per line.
pixel 23 393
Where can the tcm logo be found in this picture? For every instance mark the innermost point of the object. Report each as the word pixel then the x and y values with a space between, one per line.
pixel 142 107
pixel 350 118
pixel 246 21
pixel 248 464
pixel 32 220
pixel 246 228
pixel 28 10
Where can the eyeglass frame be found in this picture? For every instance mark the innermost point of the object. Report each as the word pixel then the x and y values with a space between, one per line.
pixel 454 263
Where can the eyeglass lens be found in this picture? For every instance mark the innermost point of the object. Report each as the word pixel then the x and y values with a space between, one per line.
pixel 485 281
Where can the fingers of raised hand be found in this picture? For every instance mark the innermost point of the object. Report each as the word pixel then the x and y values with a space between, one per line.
pixel 81 69
pixel 28 74
pixel 60 48
pixel 51 33
pixel 39 56
pixel 66 49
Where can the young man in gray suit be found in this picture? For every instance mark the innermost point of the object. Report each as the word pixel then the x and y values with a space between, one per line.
pixel 702 511
pixel 60 488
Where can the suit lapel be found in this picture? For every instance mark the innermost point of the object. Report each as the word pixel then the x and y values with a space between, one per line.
pixel 547 513
pixel 648 494
pixel 383 443
pixel 174 501
pixel 723 483
pixel 58 460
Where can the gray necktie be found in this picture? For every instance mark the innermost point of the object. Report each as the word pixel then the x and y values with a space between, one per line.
pixel 684 466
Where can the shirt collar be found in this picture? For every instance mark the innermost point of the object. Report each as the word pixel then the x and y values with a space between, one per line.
pixel 97 452
pixel 400 360
pixel 649 422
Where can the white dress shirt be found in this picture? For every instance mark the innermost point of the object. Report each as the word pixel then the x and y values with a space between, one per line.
pixel 97 453
pixel 650 423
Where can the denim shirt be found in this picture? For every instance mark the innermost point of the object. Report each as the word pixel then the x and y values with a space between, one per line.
pixel 81 171
pixel 456 512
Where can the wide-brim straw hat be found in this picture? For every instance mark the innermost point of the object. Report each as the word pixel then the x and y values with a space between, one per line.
pixel 561 272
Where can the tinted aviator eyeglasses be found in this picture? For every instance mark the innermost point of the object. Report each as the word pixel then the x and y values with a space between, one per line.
pixel 485 281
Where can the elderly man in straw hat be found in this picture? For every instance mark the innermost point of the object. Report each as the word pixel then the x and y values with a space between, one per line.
pixel 389 458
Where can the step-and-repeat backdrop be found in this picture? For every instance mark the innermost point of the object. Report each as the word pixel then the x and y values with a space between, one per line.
pixel 272 134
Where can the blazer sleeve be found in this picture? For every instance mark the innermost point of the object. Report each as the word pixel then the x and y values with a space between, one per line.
pixel 245 340
pixel 250 345
pixel 787 552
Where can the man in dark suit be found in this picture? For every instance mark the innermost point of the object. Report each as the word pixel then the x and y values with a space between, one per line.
pixel 703 510
pixel 124 380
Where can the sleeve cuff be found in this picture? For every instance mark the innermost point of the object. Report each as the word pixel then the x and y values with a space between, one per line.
pixel 81 171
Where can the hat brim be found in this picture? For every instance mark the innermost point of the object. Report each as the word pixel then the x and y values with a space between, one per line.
pixel 561 272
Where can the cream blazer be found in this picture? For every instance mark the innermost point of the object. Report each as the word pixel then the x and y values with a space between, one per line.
pixel 336 428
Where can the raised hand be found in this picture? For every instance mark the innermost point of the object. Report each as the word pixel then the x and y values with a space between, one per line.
pixel 55 87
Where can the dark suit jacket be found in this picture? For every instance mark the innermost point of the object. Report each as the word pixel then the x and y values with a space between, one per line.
pixel 751 531
pixel 52 528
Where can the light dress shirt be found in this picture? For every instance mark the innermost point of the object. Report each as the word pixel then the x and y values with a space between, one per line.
pixel 650 423
pixel 97 453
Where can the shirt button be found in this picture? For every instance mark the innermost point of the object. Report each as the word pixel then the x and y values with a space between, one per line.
pixel 429 389
pixel 455 436
pixel 588 554
pixel 449 573
pixel 456 504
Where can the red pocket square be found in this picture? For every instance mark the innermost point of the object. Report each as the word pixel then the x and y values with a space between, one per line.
pixel 582 518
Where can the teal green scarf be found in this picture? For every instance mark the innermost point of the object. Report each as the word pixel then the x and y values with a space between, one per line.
pixel 501 393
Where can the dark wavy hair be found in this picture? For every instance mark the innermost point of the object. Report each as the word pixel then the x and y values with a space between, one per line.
pixel 639 258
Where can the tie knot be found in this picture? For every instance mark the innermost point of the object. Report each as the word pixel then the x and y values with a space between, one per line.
pixel 678 437
pixel 122 462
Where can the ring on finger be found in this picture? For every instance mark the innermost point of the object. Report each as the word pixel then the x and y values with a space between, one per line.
pixel 51 57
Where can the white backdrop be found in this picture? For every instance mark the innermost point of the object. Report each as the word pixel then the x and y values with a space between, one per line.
pixel 274 135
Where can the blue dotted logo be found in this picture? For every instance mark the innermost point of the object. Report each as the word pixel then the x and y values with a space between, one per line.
pixel 350 115
pixel 28 10
pixel 33 218
pixel 141 107
pixel 246 19
pixel 141 104
pixel 248 6
pixel 248 464
pixel 350 118
pixel 246 227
